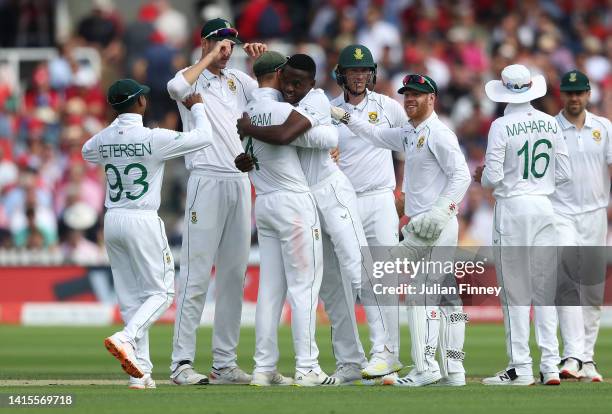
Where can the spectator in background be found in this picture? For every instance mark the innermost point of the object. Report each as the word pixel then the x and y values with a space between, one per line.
pixel 89 191
pixel 36 222
pixel 264 19
pixel 172 24
pixel 8 172
pixel 75 247
pixel 382 38
pixel 102 26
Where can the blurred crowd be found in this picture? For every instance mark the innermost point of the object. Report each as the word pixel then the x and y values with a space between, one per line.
pixel 51 199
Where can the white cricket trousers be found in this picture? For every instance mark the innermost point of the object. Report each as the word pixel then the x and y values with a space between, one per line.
pixel 343 260
pixel 289 237
pixel 217 231
pixel 580 324
pixel 381 225
pixel 143 273
pixel 527 220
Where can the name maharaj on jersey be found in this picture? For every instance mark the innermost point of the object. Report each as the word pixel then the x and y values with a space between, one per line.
pixel 525 127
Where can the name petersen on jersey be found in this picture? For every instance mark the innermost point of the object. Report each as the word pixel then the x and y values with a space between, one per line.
pixel 125 150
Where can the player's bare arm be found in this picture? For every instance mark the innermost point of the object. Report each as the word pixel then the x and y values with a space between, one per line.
pixel 220 48
pixel 478 173
pixel 399 205
pixel 254 50
pixel 192 99
pixel 295 125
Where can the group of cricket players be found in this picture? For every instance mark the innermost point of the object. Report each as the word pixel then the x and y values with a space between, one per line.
pixel 324 180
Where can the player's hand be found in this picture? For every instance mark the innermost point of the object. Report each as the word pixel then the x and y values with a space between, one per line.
pixel 335 154
pixel 399 206
pixel 192 99
pixel 255 50
pixel 244 162
pixel 340 114
pixel 222 47
pixel 243 124
pixel 429 225
pixel 478 174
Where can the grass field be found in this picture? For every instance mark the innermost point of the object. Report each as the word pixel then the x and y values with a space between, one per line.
pixel 61 355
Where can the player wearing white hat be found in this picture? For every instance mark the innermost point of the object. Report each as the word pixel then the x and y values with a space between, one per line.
pixel 436 178
pixel 581 205
pixel 217 224
pixel 141 261
pixel 526 155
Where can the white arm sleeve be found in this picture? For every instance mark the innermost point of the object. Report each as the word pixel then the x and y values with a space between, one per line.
pixel 178 87
pixel 174 144
pixel 445 147
pixel 322 137
pixel 494 158
pixel 563 167
pixel 383 137
pixel 90 150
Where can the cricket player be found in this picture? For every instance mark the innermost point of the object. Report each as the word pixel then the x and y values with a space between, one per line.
pixel 342 233
pixel 526 155
pixel 436 178
pixel 217 225
pixel 580 205
pixel 289 235
pixel 141 261
pixel 371 173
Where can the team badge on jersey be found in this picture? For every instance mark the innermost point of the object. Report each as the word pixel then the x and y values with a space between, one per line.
pixel 596 135
pixel 168 258
pixel 420 142
pixel 194 217
pixel 373 117
pixel 231 85
pixel 316 234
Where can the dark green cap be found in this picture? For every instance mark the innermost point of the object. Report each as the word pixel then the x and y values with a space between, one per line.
pixel 575 81
pixel 220 29
pixel 124 92
pixel 355 56
pixel 421 83
pixel 268 62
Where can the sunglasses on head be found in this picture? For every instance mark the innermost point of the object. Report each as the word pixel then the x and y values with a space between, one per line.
pixel 416 78
pixel 516 87
pixel 223 32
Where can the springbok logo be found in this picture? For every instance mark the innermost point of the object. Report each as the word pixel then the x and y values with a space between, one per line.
pixel 231 85
pixel 572 77
pixel 358 54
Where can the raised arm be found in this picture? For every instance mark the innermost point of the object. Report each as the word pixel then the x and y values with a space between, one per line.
pixel 383 137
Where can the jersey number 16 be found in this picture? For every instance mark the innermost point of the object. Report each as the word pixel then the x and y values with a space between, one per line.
pixel 534 158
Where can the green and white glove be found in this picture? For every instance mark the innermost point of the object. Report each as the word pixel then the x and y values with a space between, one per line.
pixel 340 114
pixel 429 225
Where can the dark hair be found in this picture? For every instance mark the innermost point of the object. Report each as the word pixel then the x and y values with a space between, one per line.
pixel 303 62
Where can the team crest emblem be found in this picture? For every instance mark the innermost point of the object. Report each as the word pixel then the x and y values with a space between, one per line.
pixel 168 258
pixel 194 217
pixel 358 54
pixel 572 77
pixel 231 85
pixel 597 135
pixel 316 234
pixel 420 142
pixel 373 117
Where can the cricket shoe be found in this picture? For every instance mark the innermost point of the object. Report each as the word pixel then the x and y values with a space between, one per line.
pixel 186 375
pixel 390 379
pixel 266 379
pixel 589 373
pixel 229 375
pixel 418 379
pixel 142 383
pixel 550 378
pixel 509 377
pixel 125 353
pixel 453 379
pixel 313 379
pixel 570 368
pixel 381 364
pixel 350 374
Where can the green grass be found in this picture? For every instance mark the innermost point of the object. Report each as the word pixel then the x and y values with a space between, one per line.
pixel 78 353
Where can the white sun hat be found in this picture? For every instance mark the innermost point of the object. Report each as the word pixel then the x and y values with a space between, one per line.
pixel 80 216
pixel 516 86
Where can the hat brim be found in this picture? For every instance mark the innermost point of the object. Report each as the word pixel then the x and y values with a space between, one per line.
pixel 233 39
pixel 497 92
pixel 415 87
pixel 574 88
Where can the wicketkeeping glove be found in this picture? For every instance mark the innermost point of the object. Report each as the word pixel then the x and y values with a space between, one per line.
pixel 429 225
pixel 340 114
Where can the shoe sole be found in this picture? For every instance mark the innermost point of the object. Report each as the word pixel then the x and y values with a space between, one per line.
pixel 224 382
pixel 553 382
pixel 367 375
pixel 506 384
pixel 585 379
pixel 128 366
pixel 203 381
pixel 568 375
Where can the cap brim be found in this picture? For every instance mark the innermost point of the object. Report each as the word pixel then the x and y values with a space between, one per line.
pixel 414 87
pixel 497 92
pixel 574 88
pixel 233 39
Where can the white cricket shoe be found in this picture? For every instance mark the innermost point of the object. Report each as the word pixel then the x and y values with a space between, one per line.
pixel 142 383
pixel 124 351
pixel 509 377
pixel 381 364
pixel 229 375
pixel 550 378
pixel 186 375
pixel 589 373
pixel 453 379
pixel 390 379
pixel 349 374
pixel 570 369
pixel 313 379
pixel 418 379
pixel 266 379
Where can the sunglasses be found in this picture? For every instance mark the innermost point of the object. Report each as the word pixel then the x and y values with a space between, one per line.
pixel 127 98
pixel 416 78
pixel 223 32
pixel 516 87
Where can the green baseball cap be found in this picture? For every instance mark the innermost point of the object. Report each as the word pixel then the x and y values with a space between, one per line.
pixel 575 81
pixel 356 56
pixel 421 83
pixel 268 62
pixel 220 29
pixel 124 92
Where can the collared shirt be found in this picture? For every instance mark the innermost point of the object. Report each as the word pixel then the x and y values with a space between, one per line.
pixel 279 165
pixel 368 167
pixel 134 156
pixel 590 153
pixel 434 166
pixel 526 153
pixel 225 98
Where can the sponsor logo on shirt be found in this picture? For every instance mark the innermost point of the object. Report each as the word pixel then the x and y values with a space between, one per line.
pixel 373 117
pixel 596 135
